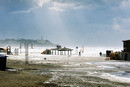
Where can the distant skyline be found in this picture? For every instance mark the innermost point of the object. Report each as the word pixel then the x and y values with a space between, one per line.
pixel 67 22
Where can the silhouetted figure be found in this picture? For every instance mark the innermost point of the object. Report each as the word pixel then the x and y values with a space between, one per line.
pixel 79 53
pixel 100 54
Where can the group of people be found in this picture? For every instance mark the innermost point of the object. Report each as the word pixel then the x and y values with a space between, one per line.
pixel 81 51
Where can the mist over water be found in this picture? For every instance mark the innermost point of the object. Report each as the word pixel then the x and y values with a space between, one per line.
pixel 88 51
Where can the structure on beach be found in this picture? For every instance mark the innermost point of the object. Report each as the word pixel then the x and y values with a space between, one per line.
pixel 126 45
pixel 61 51
pixel 126 50
pixel 124 54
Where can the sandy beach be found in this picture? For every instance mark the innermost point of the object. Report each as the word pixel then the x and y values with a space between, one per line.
pixel 75 71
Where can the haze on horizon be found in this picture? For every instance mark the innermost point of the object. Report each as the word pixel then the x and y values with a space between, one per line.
pixel 67 22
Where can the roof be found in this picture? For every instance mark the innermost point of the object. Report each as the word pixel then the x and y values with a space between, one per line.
pixel 126 40
pixel 65 49
pixel 55 48
pixel 62 49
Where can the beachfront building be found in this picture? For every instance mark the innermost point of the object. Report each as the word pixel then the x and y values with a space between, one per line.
pixel 126 50
pixel 126 45
pixel 61 51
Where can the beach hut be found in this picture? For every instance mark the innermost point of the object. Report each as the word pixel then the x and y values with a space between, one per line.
pixel 61 51
pixel 54 51
pixel 126 50
pixel 64 50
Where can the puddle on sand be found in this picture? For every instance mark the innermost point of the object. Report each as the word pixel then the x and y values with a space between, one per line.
pixel 125 74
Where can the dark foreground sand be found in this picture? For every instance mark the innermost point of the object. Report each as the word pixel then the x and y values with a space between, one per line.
pixel 18 74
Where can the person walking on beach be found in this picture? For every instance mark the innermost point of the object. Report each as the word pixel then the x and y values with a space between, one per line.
pixel 79 53
pixel 100 54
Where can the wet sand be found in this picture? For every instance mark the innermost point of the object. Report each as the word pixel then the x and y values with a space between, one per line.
pixel 77 71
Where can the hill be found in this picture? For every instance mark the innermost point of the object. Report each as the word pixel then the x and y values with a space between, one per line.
pixel 16 42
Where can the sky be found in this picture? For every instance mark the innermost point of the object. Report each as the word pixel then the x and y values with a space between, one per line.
pixel 67 22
